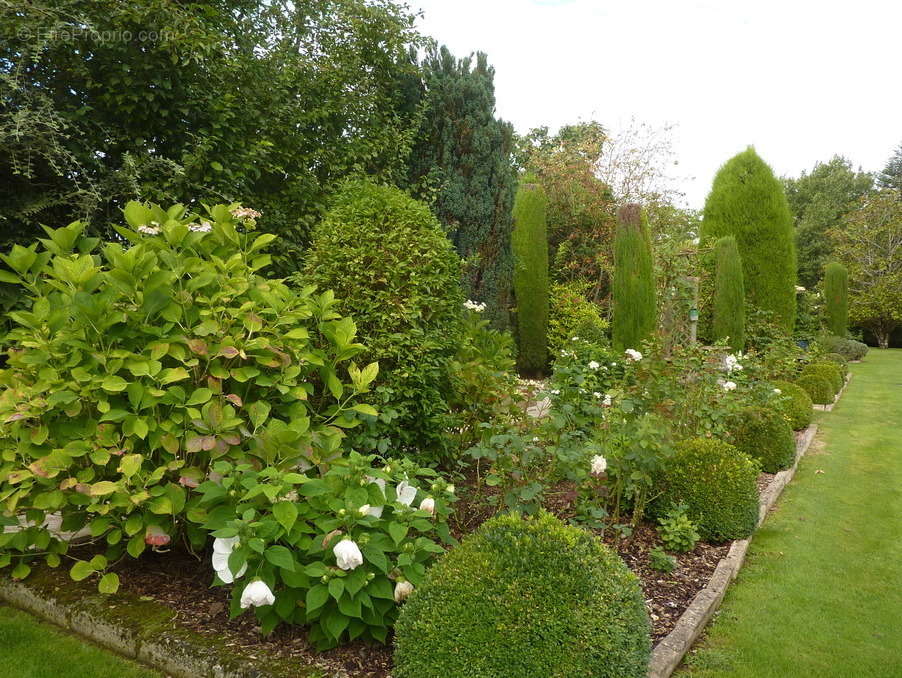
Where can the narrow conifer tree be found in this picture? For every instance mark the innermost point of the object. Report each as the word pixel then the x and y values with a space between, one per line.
pixel 747 201
pixel 729 294
pixel 634 309
pixel 530 247
pixel 836 293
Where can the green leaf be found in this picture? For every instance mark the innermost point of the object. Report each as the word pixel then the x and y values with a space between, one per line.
pixel 366 409
pixel 335 623
pixel 114 384
pixel 21 571
pixel 258 412
pixel 200 396
pixel 136 545
pixel 81 570
pixel 280 557
pixel 102 488
pixel 286 513
pixel 317 597
pixel 109 583
pixel 130 464
pixel 173 374
pixel 336 587
pixel 397 531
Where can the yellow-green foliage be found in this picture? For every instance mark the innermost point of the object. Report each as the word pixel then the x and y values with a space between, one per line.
pixel 795 404
pixel 572 315
pixel 747 201
pixel 729 294
pixel 819 388
pixel 840 361
pixel 634 314
pixel 765 435
pixel 530 246
pixel 836 296
pixel 829 371
pixel 718 485
pixel 530 598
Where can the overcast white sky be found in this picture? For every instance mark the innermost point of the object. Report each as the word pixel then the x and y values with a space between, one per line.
pixel 798 79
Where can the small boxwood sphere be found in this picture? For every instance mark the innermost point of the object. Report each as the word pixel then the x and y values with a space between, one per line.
pixel 764 434
pixel 818 388
pixel 839 360
pixel 718 485
pixel 530 598
pixel 795 405
pixel 829 371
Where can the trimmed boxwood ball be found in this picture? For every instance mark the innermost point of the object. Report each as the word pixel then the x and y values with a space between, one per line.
pixel 796 404
pixel 764 434
pixel 525 597
pixel 818 388
pixel 839 360
pixel 848 348
pixel 829 371
pixel 718 485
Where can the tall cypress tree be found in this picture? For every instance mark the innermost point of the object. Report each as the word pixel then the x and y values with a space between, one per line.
pixel 530 245
pixel 729 293
pixel 748 202
pixel 463 153
pixel 836 293
pixel 635 310
pixel 891 176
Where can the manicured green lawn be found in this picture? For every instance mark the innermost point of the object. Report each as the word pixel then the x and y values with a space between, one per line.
pixel 821 592
pixel 33 649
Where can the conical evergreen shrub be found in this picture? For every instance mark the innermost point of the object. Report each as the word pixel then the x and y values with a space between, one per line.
pixel 836 294
pixel 634 303
pixel 748 202
pixel 729 294
pixel 530 246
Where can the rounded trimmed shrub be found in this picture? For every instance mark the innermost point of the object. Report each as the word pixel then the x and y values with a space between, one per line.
pixel 829 371
pixel 764 434
pixel 847 348
pixel 796 404
pixel 839 360
pixel 718 485
pixel 530 598
pixel 819 389
pixel 394 270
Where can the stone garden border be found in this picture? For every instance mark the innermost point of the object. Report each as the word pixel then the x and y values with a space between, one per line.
pixel 669 652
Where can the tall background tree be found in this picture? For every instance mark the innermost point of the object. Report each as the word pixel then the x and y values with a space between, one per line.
pixel 463 153
pixel 891 176
pixel 836 298
pixel 729 293
pixel 634 306
pixel 869 243
pixel 748 202
pixel 530 244
pixel 818 201
pixel 270 103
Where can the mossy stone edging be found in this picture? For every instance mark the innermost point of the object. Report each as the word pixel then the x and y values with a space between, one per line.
pixel 141 630
pixel 669 652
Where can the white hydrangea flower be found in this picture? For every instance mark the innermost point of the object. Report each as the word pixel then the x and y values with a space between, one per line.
pixel 222 549
pixel 632 355
pixel 599 464
pixel 255 594
pixel 594 365
pixel 347 555
pixel 202 227
pixel 474 306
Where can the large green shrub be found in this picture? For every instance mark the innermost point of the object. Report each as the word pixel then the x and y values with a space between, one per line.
pixel 530 598
pixel 729 294
pixel 747 201
pixel 836 297
pixel 838 360
pixel 818 388
pixel 634 306
pixel 847 348
pixel 530 244
pixel 765 435
pixel 795 404
pixel 717 483
pixel 572 315
pixel 827 370
pixel 387 259
pixel 137 364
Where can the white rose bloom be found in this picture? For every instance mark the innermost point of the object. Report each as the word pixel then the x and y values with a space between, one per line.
pixel 255 594
pixel 222 549
pixel 555 391
pixel 596 394
pixel 599 464
pixel 402 590
pixel 375 510
pixel 777 391
pixel 729 386
pixel 428 505
pixel 347 554
pixel 594 365
pixel 406 493
pixel 632 355
pixel 607 400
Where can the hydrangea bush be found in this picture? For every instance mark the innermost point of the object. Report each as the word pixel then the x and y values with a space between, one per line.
pixel 140 362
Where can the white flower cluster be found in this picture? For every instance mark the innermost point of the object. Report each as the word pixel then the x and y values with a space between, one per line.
pixel 154 229
pixel 599 464
pixel 729 386
pixel 731 364
pixel 202 227
pixel 593 365
pixel 245 213
pixel 632 355
pixel 799 288
pixel 477 306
